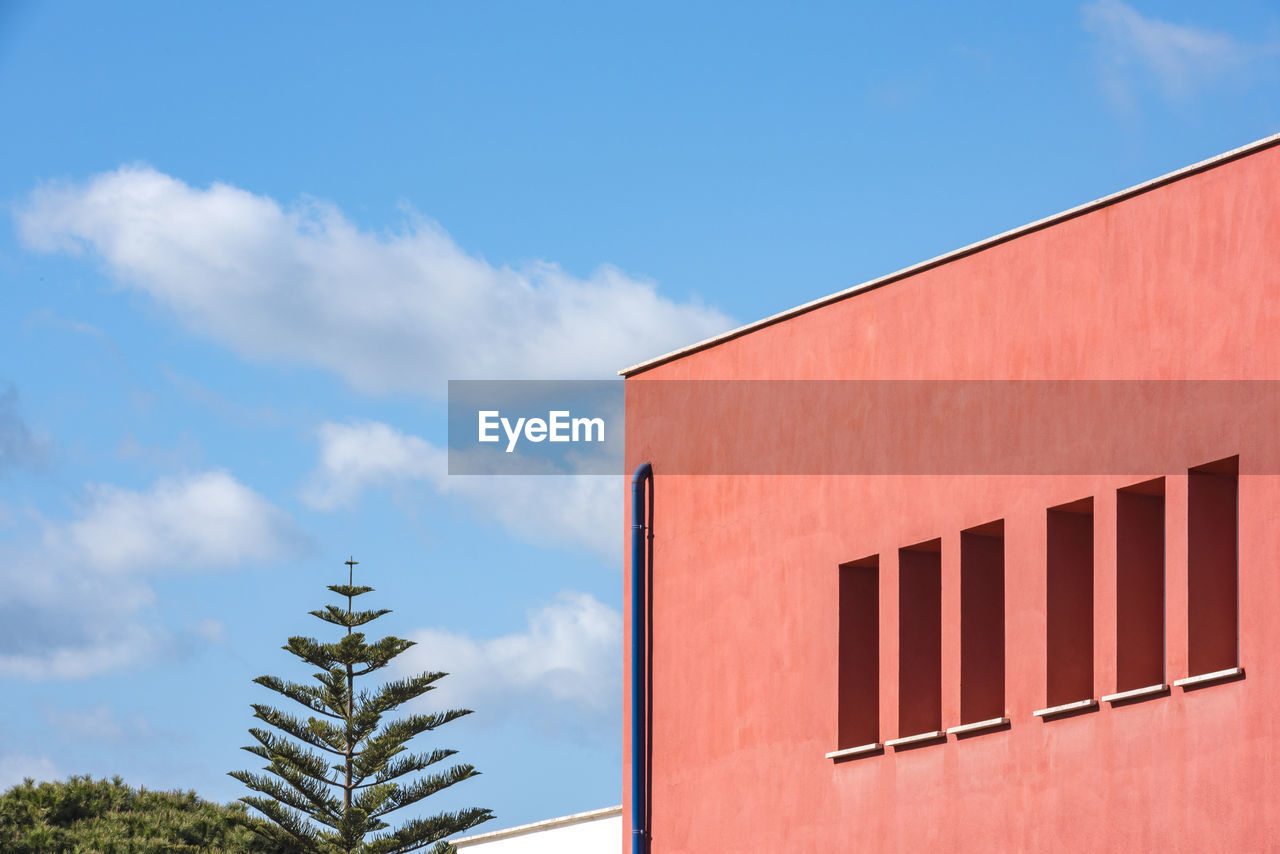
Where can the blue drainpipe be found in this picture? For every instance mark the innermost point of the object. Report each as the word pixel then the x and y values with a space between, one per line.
pixel 641 537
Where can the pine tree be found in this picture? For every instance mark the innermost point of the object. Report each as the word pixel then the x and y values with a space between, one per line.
pixel 331 778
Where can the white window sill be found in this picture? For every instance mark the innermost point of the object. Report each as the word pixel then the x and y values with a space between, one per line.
pixel 977 726
pixel 1206 678
pixel 855 751
pixel 1065 708
pixel 915 739
pixel 1135 694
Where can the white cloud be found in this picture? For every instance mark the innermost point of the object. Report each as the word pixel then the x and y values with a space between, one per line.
pixel 564 669
pixel 64 649
pixel 191 523
pixel 364 454
pixel 574 510
pixel 78 601
pixel 397 311
pixel 15 767
pixel 1178 59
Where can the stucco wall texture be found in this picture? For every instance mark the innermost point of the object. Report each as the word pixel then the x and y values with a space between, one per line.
pixel 1181 281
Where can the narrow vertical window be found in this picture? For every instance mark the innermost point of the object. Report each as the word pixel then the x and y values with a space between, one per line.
pixel 982 623
pixel 1069 603
pixel 859 702
pixel 920 638
pixel 1213 566
pixel 1140 585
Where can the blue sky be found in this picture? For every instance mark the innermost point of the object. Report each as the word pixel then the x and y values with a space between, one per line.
pixel 246 245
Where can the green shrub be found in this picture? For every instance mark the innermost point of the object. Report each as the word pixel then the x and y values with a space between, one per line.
pixel 86 816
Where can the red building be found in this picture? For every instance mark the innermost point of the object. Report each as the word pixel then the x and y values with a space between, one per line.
pixel 1021 659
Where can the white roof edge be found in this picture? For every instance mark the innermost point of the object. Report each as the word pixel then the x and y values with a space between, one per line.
pixel 545 824
pixel 1136 189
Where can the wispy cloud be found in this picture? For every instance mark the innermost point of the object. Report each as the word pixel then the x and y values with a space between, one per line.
pixel 1136 52
pixel 78 595
pixel 19 445
pixel 184 454
pixel 15 767
pixel 571 510
pixel 563 671
pixel 97 723
pixel 399 311
pixel 46 317
pixel 225 408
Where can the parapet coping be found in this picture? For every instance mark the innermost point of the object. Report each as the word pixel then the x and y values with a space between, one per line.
pixel 1070 213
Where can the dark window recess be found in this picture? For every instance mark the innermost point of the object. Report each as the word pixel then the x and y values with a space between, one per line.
pixel 1140 585
pixel 1069 603
pixel 859 653
pixel 982 623
pixel 920 638
pixel 1213 566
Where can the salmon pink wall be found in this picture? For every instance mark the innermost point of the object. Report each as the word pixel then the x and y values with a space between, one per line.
pixel 1180 282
